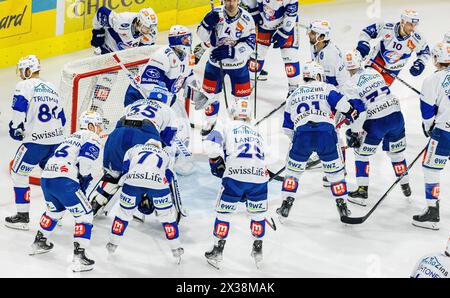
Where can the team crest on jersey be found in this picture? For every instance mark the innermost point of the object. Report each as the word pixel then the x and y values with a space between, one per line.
pixel 153 73
pixel 269 13
pixel 44 89
pixel 411 44
pixel 392 57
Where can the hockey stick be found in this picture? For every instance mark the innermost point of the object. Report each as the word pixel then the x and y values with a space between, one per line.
pixel 256 70
pixel 276 176
pixel 271 113
pixel 360 220
pixel 220 63
pixel 135 80
pixel 389 73
pixel 177 198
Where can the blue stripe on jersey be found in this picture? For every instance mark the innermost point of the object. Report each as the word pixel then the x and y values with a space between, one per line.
pixel 20 103
pixel 428 111
pixel 126 166
pixel 116 38
pixel 425 51
pixel 287 123
pixel 371 31
pixel 90 151
pixel 292 9
pixel 102 16
pixel 168 134
pixel 331 80
pixel 333 99
pixel 215 136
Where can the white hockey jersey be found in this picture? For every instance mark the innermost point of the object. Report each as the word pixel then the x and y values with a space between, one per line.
pixel 370 86
pixel 243 149
pixel 275 14
pixel 75 156
pixel 332 61
pixel 313 101
pixel 38 106
pixel 166 69
pixel 435 100
pixel 432 266
pixel 119 33
pixel 147 166
pixel 238 32
pixel 160 114
pixel 394 49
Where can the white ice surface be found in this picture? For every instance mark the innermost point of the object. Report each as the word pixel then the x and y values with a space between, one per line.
pixel 312 244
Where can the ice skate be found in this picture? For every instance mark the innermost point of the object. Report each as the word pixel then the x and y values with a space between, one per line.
pixel 19 221
pixel 214 256
pixel 40 245
pixel 342 207
pixel 406 189
pixel 81 262
pixel 177 253
pixel 359 196
pixel 263 75
pixel 325 182
pixel 283 211
pixel 429 219
pixel 257 252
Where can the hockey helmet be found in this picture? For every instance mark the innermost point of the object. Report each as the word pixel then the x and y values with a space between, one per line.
pixel 441 53
pixel 321 27
pixel 241 109
pixel 31 62
pixel 180 39
pixel 311 69
pixel 90 117
pixel 353 60
pixel 410 16
pixel 154 143
pixel 148 21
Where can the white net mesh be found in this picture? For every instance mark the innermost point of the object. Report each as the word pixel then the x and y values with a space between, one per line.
pixel 98 83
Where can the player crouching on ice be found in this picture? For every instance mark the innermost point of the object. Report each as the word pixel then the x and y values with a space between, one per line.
pixel 309 123
pixel 236 154
pixel 434 265
pixel 382 123
pixel 147 170
pixel 435 108
pixel 64 182
pixel 38 122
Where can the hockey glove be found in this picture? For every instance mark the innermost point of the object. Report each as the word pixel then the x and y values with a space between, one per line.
pixel 217 166
pixel 222 52
pixel 356 108
pixel 98 37
pixel 427 130
pixel 211 20
pixel 363 48
pixel 280 38
pixel 84 182
pixel 146 205
pixel 16 133
pixel 417 68
pixel 353 139
pixel 199 50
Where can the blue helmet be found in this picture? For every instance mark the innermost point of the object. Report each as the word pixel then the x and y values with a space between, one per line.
pixel 160 94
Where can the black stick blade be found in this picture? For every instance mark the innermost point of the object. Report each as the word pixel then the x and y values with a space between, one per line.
pixel 353 220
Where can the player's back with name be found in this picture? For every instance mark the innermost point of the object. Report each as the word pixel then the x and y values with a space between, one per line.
pixel 432 266
pixel 158 113
pixel 83 144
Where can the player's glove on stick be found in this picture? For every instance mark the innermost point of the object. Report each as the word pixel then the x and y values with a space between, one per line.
pixel 217 166
pixel 353 139
pixel 98 37
pixel 363 48
pixel 417 68
pixel 280 38
pixel 222 52
pixel 16 133
pixel 427 130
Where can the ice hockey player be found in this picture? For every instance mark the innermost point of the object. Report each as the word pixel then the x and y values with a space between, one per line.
pixel 114 32
pixel 231 31
pixel 236 154
pixel 383 123
pixel 435 265
pixel 145 119
pixel 309 124
pixel 276 23
pixel 435 108
pixel 147 170
pixel 171 68
pixel 38 122
pixel 325 52
pixel 396 44
pixel 64 181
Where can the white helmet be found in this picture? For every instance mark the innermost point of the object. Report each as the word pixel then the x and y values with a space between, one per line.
pixel 241 109
pixel 447 37
pixel 410 16
pixel 31 62
pixel 353 60
pixel 147 18
pixel 441 53
pixel 321 27
pixel 180 39
pixel 153 142
pixel 90 117
pixel 311 69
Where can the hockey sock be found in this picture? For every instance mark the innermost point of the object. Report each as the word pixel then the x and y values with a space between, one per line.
pixel 118 229
pixel 22 195
pixel 399 169
pixel 362 172
pixel 432 193
pixel 221 229
pixel 47 224
pixel 82 233
pixel 171 230
pixel 258 228
pixel 339 189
